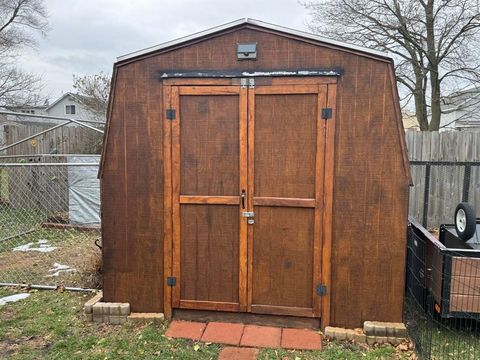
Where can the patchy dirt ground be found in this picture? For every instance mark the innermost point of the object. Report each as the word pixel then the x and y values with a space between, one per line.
pixel 74 261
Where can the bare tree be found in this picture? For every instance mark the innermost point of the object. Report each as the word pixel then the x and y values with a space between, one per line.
pixel 93 91
pixel 434 43
pixel 21 21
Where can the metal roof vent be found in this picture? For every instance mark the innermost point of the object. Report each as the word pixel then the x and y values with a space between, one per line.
pixel 247 51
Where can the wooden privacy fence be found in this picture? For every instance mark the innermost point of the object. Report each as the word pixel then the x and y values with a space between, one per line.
pixel 445 171
pixel 64 140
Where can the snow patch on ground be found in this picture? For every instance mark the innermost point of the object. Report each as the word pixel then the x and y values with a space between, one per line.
pixel 59 268
pixel 39 246
pixel 13 298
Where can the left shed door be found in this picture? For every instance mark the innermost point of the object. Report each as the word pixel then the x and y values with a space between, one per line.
pixel 209 140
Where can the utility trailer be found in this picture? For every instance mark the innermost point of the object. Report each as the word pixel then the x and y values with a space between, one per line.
pixel 444 274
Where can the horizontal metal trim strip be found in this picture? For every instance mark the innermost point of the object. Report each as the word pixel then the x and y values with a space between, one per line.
pixel 445 163
pixel 247 74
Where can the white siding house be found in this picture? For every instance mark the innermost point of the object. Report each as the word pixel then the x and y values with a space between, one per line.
pixel 461 110
pixel 71 106
pixel 68 105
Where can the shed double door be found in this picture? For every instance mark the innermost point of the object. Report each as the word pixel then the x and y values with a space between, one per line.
pixel 248 196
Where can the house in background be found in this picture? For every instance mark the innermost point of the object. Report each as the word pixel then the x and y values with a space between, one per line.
pixel 68 105
pixel 409 120
pixel 461 110
pixel 69 139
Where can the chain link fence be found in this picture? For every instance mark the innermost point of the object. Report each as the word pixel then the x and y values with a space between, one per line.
pixel 50 220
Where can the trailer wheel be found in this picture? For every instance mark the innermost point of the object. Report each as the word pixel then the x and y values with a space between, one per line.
pixel 465 221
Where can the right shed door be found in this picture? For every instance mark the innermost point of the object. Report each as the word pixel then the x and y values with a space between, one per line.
pixel 287 152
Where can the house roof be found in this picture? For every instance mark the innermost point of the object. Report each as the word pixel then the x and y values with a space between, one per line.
pixel 257 23
pixel 79 98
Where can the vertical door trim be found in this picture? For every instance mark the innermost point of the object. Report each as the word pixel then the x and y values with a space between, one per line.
pixel 243 245
pixel 328 205
pixel 174 101
pixel 167 203
pixel 319 200
pixel 250 173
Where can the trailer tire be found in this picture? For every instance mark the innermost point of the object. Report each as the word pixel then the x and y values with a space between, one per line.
pixel 465 221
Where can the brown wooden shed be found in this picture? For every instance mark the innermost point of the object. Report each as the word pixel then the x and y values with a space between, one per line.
pixel 255 170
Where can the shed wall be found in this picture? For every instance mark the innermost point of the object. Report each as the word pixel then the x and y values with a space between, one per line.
pixel 370 181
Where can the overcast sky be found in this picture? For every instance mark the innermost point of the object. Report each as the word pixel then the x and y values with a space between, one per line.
pixel 86 36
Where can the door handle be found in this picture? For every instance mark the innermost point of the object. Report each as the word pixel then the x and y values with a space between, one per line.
pixel 243 198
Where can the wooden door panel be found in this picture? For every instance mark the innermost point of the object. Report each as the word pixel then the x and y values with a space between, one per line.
pixel 209 257
pixel 209 143
pixel 282 257
pixel 208 175
pixel 285 145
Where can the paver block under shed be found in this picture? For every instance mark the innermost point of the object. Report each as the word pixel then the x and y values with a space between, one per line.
pixel 261 336
pixel 223 333
pixel 302 339
pixel 235 353
pixel 186 329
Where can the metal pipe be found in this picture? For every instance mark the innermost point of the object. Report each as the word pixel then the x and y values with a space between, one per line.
pixel 46 164
pixel 45 155
pixel 48 287
pixel 17 235
pixel 33 136
pixel 48 117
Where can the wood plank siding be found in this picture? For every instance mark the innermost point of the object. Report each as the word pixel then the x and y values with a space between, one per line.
pixel 370 175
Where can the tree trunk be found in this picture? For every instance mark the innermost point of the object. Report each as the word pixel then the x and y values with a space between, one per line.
pixel 433 68
pixel 435 102
pixel 419 97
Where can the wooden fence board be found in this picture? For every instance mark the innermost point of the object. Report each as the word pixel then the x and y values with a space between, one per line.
pixel 446 182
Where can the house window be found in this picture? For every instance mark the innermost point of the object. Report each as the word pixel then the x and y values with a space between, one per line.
pixel 69 109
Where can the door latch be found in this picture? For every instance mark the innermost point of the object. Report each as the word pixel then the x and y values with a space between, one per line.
pixel 249 215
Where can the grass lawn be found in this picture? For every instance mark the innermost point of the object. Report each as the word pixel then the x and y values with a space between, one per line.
pixel 49 325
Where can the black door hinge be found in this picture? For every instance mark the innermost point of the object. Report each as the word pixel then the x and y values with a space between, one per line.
pixel 171 114
pixel 171 281
pixel 321 290
pixel 326 113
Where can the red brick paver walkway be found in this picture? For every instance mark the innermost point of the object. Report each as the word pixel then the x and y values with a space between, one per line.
pixel 236 353
pixel 186 329
pixel 223 333
pixel 301 339
pixel 251 336
pixel 261 336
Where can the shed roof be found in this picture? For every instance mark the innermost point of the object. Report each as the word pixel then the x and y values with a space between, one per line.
pixel 258 23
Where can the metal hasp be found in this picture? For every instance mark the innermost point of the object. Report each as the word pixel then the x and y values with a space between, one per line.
pixel 326 113
pixel 171 281
pixel 321 290
pixel 247 51
pixel 249 215
pixel 171 114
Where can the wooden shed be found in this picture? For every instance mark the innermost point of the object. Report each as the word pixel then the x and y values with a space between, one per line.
pixel 255 171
